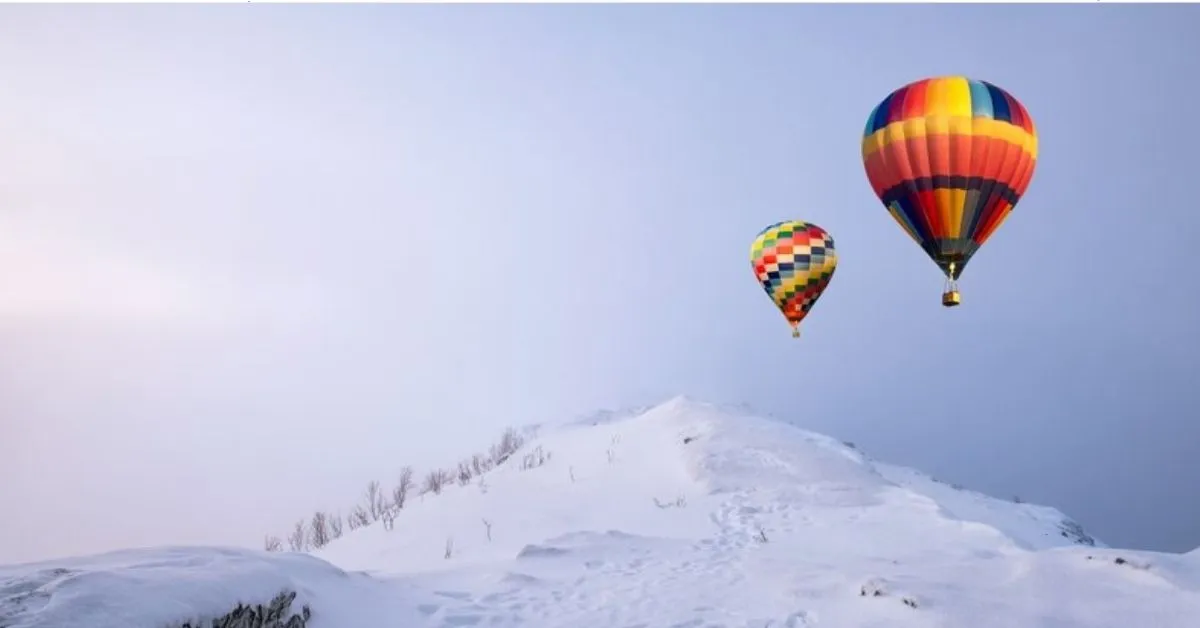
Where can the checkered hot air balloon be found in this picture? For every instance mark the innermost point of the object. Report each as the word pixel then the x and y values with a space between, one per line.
pixel 794 262
pixel 949 157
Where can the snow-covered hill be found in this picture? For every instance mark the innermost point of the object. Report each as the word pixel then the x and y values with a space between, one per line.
pixel 686 514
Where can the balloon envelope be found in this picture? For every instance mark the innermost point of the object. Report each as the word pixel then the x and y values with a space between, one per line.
pixel 949 157
pixel 794 261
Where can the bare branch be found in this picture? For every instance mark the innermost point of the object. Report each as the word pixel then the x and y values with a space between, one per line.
pixel 358 518
pixel 480 464
pixel 319 530
pixel 374 497
pixel 679 502
pixel 335 526
pixel 509 443
pixel 435 481
pixel 403 487
pixel 272 544
pixel 298 539
pixel 464 473
pixel 534 459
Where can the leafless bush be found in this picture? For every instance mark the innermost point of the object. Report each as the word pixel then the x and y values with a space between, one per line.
pixel 318 530
pixel 374 503
pixel 324 527
pixel 435 481
pixel 611 455
pixel 761 537
pixel 571 472
pixel 358 518
pixel 480 464
pixel 449 547
pixel 488 525
pixel 534 459
pixel 403 487
pixel 298 539
pixel 335 526
pixel 509 443
pixel 464 473
pixel 679 502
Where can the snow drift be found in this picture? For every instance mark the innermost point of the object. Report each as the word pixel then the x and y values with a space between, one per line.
pixel 686 514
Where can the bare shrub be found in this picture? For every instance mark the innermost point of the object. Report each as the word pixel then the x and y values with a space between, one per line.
pixel 335 526
pixel 435 481
pixel 358 518
pixel 480 464
pixel 464 473
pixel 298 538
pixel 509 443
pixel 679 502
pixel 534 459
pixel 272 544
pixel 403 487
pixel 389 518
pixel 761 537
pixel 374 500
pixel 449 547
pixel 318 530
pixel 488 525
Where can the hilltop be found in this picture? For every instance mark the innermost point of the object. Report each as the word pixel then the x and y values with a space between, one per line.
pixel 684 514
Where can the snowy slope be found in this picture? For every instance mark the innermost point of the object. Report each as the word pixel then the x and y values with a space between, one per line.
pixel 683 515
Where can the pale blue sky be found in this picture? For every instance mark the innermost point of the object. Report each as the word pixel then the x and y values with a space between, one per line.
pixel 253 256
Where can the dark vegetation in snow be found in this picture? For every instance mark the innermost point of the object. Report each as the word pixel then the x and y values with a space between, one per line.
pixel 1072 530
pixel 383 504
pixel 276 613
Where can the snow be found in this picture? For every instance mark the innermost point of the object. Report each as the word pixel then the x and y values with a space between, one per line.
pixel 683 515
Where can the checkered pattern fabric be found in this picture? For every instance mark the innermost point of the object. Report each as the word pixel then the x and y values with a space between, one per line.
pixel 794 262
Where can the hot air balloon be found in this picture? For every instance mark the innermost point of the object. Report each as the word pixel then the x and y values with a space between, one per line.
pixel 794 262
pixel 949 157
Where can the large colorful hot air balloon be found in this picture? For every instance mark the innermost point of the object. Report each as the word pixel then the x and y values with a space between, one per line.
pixel 949 157
pixel 794 262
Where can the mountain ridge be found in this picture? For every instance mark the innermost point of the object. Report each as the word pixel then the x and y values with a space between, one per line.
pixel 684 514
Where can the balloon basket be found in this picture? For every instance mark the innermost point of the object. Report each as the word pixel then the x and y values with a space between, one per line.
pixel 795 332
pixel 951 298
